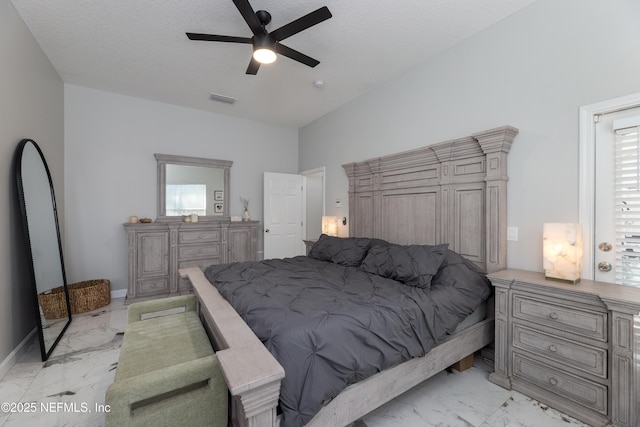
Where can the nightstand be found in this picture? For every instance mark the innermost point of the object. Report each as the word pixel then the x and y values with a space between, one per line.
pixel 573 347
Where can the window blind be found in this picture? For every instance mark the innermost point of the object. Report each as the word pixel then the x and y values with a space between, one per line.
pixel 627 205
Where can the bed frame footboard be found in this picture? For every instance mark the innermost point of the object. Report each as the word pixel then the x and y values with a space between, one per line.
pixel 252 374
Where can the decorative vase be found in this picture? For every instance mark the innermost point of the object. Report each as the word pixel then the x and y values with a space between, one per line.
pixel 245 215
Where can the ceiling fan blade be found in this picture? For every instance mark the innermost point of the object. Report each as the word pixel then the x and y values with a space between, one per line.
pixel 296 56
pixel 249 16
pixel 300 24
pixel 216 38
pixel 253 67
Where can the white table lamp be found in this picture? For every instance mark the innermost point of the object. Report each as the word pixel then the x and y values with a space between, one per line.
pixel 330 225
pixel 562 251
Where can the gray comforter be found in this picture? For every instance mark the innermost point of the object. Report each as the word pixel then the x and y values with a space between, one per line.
pixel 331 325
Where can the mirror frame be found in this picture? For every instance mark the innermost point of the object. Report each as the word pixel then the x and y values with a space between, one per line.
pixel 165 159
pixel 28 249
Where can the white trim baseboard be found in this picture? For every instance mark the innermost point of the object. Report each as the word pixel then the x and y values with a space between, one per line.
pixel 13 357
pixel 119 293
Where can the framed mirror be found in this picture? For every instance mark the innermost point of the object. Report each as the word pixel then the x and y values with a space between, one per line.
pixel 192 185
pixel 43 245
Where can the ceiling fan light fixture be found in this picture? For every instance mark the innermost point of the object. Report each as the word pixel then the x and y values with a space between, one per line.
pixel 264 55
pixel 264 49
pixel 266 44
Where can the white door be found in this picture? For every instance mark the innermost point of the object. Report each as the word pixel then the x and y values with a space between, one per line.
pixel 617 198
pixel 282 215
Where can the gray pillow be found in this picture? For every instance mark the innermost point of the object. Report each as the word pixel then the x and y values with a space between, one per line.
pixel 348 251
pixel 413 265
pixel 457 271
pixel 465 278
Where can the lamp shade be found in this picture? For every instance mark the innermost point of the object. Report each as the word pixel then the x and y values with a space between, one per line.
pixel 330 225
pixel 562 251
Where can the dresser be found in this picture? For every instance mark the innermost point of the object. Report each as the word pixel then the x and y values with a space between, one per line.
pixel 573 347
pixel 156 252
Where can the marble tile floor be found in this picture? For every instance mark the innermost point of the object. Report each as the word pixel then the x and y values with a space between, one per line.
pixel 69 389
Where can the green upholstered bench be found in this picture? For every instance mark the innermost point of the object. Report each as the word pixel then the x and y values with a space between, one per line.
pixel 167 373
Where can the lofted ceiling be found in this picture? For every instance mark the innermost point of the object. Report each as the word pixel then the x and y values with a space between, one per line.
pixel 139 48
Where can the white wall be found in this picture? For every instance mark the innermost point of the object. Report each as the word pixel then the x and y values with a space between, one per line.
pixel 532 71
pixel 111 169
pixel 314 202
pixel 31 106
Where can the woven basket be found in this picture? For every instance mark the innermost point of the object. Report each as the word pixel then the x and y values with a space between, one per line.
pixel 83 296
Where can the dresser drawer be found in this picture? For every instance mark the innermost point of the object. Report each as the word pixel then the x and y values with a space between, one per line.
pixel 579 390
pixel 199 251
pixel 150 287
pixel 582 357
pixel 196 236
pixel 590 324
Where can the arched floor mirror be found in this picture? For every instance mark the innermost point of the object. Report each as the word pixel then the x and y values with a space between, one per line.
pixel 43 245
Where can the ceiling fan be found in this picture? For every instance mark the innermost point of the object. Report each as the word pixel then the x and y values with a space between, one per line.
pixel 266 44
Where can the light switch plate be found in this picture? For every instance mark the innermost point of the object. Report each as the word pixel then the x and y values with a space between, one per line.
pixel 512 234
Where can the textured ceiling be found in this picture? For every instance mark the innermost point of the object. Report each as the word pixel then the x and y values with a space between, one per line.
pixel 138 48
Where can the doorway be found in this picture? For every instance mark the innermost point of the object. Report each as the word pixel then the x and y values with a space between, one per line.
pixel 282 215
pixel 293 210
pixel 597 183
pixel 313 202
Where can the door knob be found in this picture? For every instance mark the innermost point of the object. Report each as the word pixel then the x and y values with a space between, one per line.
pixel 604 266
pixel 266 230
pixel 605 247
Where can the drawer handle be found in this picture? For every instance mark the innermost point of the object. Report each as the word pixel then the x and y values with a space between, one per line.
pixel 553 348
pixel 553 381
pixel 554 315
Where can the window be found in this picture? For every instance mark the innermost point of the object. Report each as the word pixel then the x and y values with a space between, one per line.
pixel 186 199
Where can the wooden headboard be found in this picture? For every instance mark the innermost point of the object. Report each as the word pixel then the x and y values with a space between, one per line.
pixel 452 192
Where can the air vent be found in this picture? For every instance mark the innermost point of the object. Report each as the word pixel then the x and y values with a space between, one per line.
pixel 222 98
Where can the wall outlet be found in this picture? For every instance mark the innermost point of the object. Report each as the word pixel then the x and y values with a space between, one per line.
pixel 512 234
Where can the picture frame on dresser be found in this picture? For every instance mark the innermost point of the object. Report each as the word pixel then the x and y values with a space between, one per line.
pixel 573 347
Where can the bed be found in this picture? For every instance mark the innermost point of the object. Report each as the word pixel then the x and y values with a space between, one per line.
pixel 449 198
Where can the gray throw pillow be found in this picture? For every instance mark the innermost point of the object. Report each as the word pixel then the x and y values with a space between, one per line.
pixel 413 265
pixel 348 251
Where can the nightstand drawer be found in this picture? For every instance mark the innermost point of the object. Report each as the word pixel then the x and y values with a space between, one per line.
pixel 579 390
pixel 586 323
pixel 582 357
pixel 199 236
pixel 198 251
